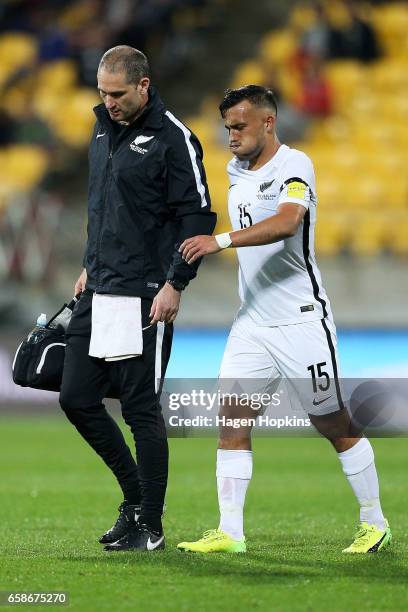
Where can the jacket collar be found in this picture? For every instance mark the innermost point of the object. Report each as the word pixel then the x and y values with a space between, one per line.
pixel 152 117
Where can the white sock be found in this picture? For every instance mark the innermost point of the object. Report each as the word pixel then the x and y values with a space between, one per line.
pixel 359 468
pixel 234 471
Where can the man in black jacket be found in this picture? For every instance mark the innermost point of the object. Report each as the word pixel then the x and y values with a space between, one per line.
pixel 147 193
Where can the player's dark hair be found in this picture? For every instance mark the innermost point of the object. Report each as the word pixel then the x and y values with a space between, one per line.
pixel 126 59
pixel 256 94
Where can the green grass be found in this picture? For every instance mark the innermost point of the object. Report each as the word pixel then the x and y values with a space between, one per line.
pixel 57 498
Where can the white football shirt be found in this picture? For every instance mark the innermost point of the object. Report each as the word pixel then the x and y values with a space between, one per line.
pixel 279 283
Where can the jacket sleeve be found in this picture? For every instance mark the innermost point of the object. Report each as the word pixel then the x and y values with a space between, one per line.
pixel 91 144
pixel 187 197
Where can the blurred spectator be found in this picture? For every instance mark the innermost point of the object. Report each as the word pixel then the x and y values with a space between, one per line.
pixel 353 37
pixel 338 31
pixel 315 97
pixel 315 40
pixel 88 45
pixel 53 42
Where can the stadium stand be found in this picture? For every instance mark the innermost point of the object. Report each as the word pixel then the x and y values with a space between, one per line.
pixel 352 97
pixel 360 150
pixel 49 53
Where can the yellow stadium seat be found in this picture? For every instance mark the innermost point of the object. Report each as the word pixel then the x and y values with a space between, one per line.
pixel 362 105
pixel 395 106
pixel 389 75
pixel 368 192
pixel 216 161
pixel 17 50
pixel 329 192
pixel 369 234
pixel 332 233
pixel 78 14
pixel 5 73
pixel 23 167
pixel 15 100
pixel 398 239
pixel 278 47
pixel 391 19
pixel 7 188
pixel 378 109
pixel 218 185
pixel 330 131
pixel 394 162
pixel 345 77
pixel 247 73
pixel 360 152
pixel 337 13
pixel 302 17
pixel 74 119
pixel 203 128
pixel 343 156
pixel 47 102
pixel 388 188
pixel 289 84
pixel 58 76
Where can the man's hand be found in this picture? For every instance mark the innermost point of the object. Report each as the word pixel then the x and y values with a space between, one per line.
pixel 165 305
pixel 81 282
pixel 193 248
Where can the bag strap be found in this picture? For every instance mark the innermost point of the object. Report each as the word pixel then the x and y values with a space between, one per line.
pixel 71 306
pixel 74 300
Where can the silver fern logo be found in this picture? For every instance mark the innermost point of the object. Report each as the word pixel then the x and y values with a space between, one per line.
pixel 261 195
pixel 139 140
pixel 264 186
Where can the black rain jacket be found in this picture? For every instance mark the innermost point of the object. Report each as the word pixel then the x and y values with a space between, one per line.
pixel 147 193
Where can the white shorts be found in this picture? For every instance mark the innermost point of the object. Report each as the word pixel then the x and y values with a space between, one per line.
pixel 302 356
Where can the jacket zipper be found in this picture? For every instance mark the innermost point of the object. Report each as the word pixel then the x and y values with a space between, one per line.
pixel 108 180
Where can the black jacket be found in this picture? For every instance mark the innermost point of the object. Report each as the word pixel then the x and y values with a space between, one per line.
pixel 147 193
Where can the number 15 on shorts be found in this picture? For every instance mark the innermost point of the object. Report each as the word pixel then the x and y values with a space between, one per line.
pixel 320 378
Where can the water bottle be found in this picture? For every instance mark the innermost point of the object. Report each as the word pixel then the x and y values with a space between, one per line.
pixel 42 320
pixel 39 331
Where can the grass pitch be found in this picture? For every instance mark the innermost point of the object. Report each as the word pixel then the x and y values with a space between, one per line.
pixel 57 498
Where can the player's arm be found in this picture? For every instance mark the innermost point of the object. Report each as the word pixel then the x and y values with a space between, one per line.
pixel 189 202
pixel 273 229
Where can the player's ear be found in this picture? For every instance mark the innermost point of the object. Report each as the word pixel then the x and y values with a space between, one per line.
pixel 270 123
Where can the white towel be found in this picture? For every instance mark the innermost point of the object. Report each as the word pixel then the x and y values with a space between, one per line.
pixel 116 327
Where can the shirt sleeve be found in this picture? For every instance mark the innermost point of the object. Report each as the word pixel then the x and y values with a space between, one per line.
pixel 297 181
pixel 187 196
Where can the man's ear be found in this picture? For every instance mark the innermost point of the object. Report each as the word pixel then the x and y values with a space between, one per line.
pixel 144 85
pixel 270 123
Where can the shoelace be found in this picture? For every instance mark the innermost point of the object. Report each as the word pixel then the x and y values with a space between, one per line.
pixel 362 534
pixel 212 534
pixel 122 518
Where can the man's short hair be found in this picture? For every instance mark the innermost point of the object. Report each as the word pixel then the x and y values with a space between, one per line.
pixel 256 94
pixel 126 59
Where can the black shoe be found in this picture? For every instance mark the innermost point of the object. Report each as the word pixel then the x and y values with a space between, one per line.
pixel 139 538
pixel 127 519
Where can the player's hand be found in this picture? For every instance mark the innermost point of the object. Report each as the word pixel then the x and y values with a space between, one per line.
pixel 81 282
pixel 198 246
pixel 165 305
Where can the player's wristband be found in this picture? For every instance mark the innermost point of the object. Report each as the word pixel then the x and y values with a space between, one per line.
pixel 223 240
